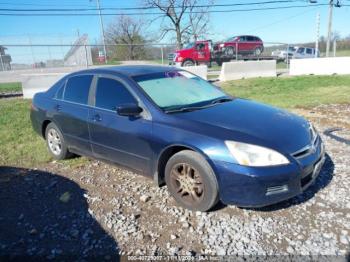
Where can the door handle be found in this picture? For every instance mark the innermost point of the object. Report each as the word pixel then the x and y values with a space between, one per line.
pixel 58 108
pixel 96 118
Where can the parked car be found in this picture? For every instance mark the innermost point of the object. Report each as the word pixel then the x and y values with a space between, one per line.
pixel 244 44
pixel 177 128
pixel 305 52
pixel 282 54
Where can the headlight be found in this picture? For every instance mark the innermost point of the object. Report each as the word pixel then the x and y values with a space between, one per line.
pixel 179 59
pixel 252 155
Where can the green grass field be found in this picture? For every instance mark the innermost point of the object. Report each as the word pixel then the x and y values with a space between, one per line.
pixel 21 146
pixel 289 92
pixel 10 87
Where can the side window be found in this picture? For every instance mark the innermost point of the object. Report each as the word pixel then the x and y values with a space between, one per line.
pixel 59 93
pixel 77 89
pixel 250 38
pixel 242 39
pixel 301 50
pixel 309 51
pixel 111 93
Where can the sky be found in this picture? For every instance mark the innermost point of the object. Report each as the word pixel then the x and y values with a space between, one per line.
pixel 285 26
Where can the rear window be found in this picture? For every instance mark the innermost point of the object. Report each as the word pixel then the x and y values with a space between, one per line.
pixel 77 89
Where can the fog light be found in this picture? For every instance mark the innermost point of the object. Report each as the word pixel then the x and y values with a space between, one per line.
pixel 276 190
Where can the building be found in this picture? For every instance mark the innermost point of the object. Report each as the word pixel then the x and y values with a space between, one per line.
pixel 80 53
pixel 5 60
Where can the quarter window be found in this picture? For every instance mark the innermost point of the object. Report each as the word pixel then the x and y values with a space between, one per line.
pixel 309 51
pixel 59 93
pixel 77 89
pixel 111 93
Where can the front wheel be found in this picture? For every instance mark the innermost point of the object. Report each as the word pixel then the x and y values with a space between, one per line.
pixel 55 142
pixel 258 51
pixel 188 63
pixel 191 181
pixel 230 51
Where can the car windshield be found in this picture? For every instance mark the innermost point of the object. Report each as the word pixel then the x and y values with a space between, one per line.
pixel 176 90
pixel 292 49
pixel 189 45
pixel 230 39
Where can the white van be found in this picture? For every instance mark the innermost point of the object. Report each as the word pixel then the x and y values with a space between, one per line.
pixel 305 52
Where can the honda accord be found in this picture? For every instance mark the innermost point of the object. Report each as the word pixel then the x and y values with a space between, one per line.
pixel 179 129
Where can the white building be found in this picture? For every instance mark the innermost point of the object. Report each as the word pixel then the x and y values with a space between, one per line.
pixel 80 53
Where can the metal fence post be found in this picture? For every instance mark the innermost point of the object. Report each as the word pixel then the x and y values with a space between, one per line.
pixel 287 57
pixel 236 51
pixel 2 63
pixel 86 57
pixel 162 51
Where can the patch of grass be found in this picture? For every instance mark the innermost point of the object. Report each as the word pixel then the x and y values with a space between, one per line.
pixel 19 144
pixel 11 87
pixel 289 92
pixel 342 53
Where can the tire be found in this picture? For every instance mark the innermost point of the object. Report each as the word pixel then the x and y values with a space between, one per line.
pixel 258 51
pixel 230 51
pixel 191 181
pixel 55 142
pixel 188 63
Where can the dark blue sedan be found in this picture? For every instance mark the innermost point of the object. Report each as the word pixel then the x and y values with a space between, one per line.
pixel 177 128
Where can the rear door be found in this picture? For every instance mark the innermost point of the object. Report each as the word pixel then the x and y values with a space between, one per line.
pixel 309 53
pixel 120 139
pixel 71 112
pixel 251 44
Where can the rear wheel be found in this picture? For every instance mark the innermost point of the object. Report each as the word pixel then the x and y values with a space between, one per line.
pixel 55 142
pixel 191 181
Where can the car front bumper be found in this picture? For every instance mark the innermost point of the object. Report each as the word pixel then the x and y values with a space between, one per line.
pixel 262 186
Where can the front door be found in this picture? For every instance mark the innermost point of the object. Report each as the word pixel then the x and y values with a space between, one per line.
pixel 120 139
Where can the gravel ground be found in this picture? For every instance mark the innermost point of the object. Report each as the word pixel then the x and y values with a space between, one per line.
pixel 95 209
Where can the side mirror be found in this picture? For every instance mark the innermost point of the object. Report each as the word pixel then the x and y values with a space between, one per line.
pixel 129 110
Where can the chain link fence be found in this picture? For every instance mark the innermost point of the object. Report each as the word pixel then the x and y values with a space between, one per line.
pixel 31 56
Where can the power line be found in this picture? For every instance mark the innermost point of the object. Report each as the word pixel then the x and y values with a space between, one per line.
pixel 146 7
pixel 158 13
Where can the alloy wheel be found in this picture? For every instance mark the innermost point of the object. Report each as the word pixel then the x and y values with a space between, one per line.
pixel 54 142
pixel 187 183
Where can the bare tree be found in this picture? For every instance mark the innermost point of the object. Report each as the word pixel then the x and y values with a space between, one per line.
pixel 127 33
pixel 185 20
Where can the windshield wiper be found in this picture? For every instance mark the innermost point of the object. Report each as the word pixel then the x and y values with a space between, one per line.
pixel 221 100
pixel 184 109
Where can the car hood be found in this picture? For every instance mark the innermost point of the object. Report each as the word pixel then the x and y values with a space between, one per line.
pixel 253 122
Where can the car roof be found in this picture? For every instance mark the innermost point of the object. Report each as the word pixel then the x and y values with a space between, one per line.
pixel 129 70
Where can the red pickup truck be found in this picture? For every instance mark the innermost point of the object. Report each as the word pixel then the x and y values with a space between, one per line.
pixel 205 52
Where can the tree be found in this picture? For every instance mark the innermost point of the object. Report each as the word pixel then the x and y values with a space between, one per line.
pixel 185 20
pixel 126 33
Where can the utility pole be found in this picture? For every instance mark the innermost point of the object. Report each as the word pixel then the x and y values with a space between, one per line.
pixel 317 33
pixel 330 18
pixel 102 30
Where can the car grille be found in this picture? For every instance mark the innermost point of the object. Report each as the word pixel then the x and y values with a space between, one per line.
pixel 171 56
pixel 309 148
